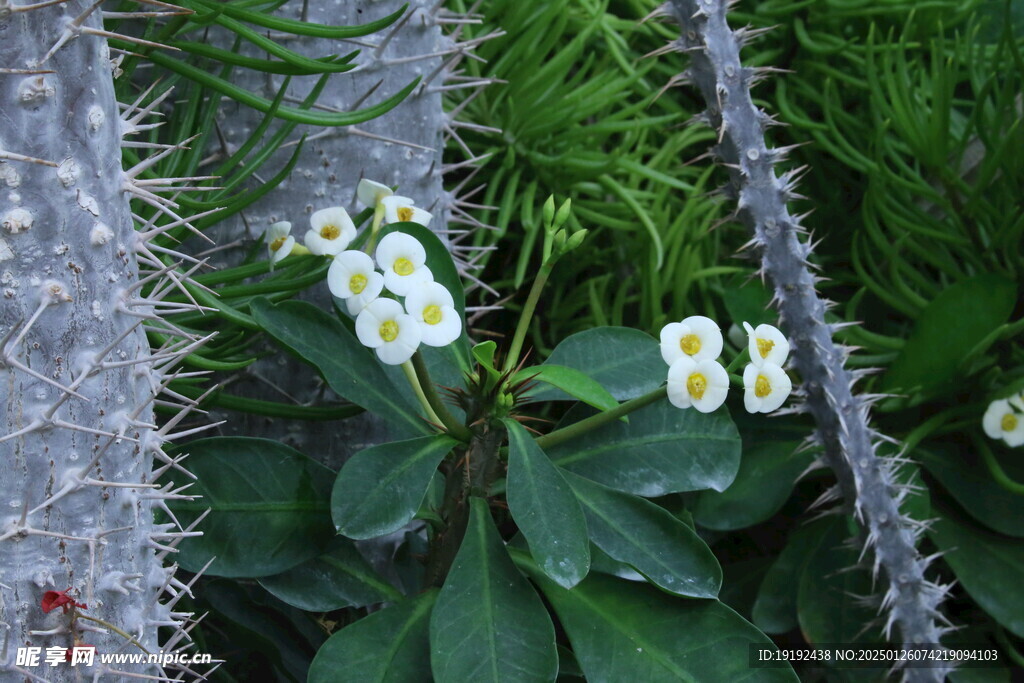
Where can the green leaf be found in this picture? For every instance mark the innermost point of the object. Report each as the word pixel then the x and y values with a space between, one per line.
pixel 304 28
pixel 338 578
pixel 768 471
pixel 649 539
pixel 483 353
pixel 389 646
pixel 623 631
pixel 949 328
pixel 380 488
pixel 747 300
pixel 826 610
pixel 488 624
pixel 269 507
pixel 572 382
pixel 963 473
pixel 662 450
pixel 626 362
pixel 545 510
pixel 988 565
pixel 775 607
pixel 349 368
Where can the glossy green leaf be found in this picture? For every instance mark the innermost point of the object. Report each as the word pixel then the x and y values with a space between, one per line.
pixel 768 471
pixel 573 382
pixel 623 631
pixel 988 565
pixel 389 646
pixel 338 578
pixel 775 607
pixel 649 539
pixel 963 473
pixel 950 327
pixel 545 510
pixel 269 507
pixel 626 362
pixel 747 300
pixel 488 624
pixel 662 450
pixel 380 488
pixel 349 367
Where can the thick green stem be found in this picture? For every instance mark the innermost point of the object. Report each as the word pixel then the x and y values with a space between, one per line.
pixel 583 426
pixel 444 416
pixel 527 315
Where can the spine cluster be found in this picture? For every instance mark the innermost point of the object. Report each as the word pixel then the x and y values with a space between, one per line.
pixel 866 482
pixel 85 470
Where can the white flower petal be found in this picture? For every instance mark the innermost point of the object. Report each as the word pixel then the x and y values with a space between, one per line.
pixel 344 267
pixel 369 192
pixel 396 245
pixel 992 421
pixel 444 332
pixel 403 346
pixel 717 387
pixel 370 319
pixel 402 285
pixel 678 373
pixel 276 230
pixel 774 379
pixel 430 294
pixel 374 286
pixel 710 336
pixel 1017 401
pixel 767 344
pixel 1015 436
pixel 670 336
pixel 335 229
pixel 282 251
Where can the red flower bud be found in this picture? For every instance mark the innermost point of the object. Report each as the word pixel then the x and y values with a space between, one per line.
pixel 54 599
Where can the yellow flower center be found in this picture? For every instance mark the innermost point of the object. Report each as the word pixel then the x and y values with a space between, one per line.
pixel 762 387
pixel 278 243
pixel 404 266
pixel 697 384
pixel 432 314
pixel 358 283
pixel 330 232
pixel 389 331
pixel 765 346
pixel 404 214
pixel 1009 422
pixel 690 344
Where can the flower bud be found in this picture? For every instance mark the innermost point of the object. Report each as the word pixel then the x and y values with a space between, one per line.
pixel 563 213
pixel 549 212
pixel 575 240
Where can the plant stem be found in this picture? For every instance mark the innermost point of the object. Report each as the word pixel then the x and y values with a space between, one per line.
pixel 378 217
pixel 583 426
pixel 527 315
pixel 1000 475
pixel 414 382
pixel 106 624
pixel 439 409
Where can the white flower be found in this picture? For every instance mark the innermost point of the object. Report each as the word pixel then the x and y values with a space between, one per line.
pixel 697 337
pixel 403 260
pixel 431 305
pixel 401 210
pixel 1017 401
pixel 332 231
pixel 352 277
pixel 279 241
pixel 766 387
pixel 702 384
pixel 766 344
pixel 389 330
pixel 370 192
pixel 1002 422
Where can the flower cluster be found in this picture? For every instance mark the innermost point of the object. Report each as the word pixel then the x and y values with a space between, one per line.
pixel 385 325
pixel 696 378
pixel 1004 420
pixel 766 385
pixel 332 230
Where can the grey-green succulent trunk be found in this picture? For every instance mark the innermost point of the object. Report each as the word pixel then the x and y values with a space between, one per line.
pixel 867 483
pixel 77 449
